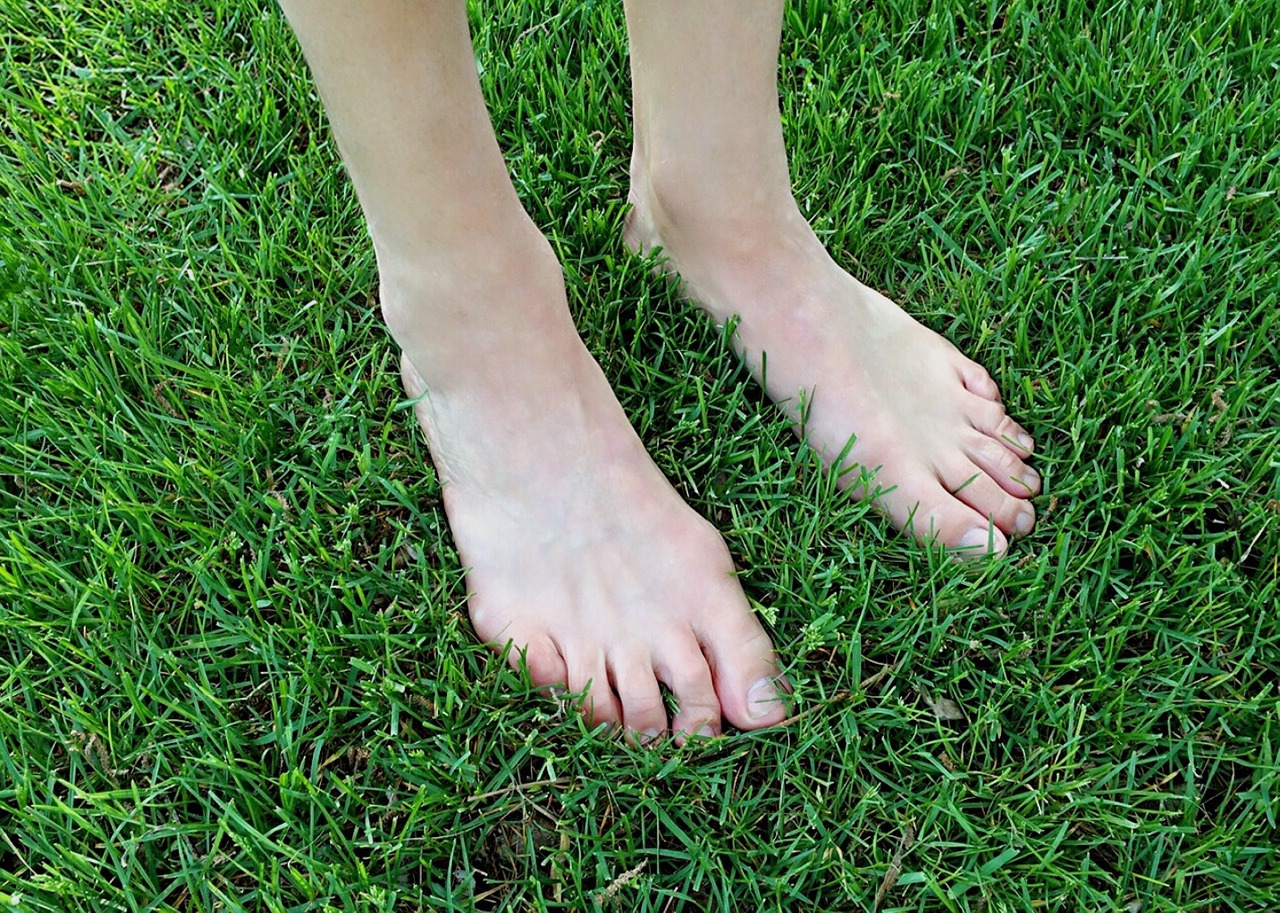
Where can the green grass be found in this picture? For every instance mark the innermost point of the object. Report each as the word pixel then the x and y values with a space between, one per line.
pixel 236 670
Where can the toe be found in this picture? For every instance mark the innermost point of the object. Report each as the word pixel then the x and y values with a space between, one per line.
pixel 592 682
pixel 992 420
pixel 1012 516
pixel 1004 466
pixel 745 669
pixel 542 659
pixel 922 507
pixel 980 542
pixel 978 382
pixel 643 713
pixel 685 670
pixel 1014 436
pixel 1025 521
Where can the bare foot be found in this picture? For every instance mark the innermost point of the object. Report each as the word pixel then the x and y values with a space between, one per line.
pixel 846 363
pixel 578 551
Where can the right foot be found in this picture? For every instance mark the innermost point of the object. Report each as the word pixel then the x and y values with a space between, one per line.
pixel 579 553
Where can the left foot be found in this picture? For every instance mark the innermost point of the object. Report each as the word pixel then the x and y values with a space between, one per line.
pixel 932 445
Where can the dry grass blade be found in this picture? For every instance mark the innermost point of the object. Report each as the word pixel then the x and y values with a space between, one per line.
pixel 895 864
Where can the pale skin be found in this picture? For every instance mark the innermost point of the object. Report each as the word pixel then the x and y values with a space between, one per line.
pixel 579 553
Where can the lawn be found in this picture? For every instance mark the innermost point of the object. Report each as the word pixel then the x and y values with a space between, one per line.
pixel 236 671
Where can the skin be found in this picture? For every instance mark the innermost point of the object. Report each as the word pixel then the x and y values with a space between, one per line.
pixel 948 463
pixel 578 551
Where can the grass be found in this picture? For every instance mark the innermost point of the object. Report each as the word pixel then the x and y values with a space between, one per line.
pixel 236 670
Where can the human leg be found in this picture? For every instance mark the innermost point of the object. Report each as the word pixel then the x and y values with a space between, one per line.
pixel 711 187
pixel 578 551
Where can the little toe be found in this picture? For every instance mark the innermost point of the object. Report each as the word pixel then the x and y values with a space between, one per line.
pixel 979 382
pixel 1004 466
pixel 686 673
pixel 644 715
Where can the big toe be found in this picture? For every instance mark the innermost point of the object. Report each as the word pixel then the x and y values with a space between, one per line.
pixel 752 693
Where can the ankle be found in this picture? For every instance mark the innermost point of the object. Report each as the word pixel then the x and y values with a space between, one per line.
pixel 465 312
pixel 684 207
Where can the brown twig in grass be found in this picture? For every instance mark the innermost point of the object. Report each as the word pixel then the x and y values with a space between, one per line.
pixel 872 680
pixel 868 682
pixel 516 787
pixel 895 864
pixel 831 701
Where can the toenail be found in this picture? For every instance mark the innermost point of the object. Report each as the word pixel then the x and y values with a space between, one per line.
pixel 705 732
pixel 1024 522
pixel 1025 442
pixel 650 735
pixel 977 539
pixel 761 698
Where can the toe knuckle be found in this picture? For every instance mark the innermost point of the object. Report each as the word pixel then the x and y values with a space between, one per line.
pixel 1007 514
pixel 1007 429
pixel 648 707
pixel 696 714
pixel 1002 458
pixel 597 713
pixel 991 417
